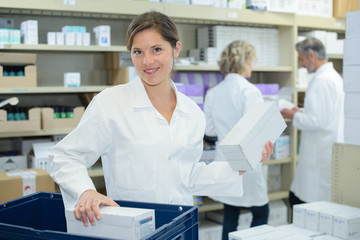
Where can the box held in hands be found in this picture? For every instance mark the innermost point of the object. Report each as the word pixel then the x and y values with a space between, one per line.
pixel 244 144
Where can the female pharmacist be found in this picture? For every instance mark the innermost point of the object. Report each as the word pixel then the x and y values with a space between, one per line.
pixel 149 136
pixel 224 105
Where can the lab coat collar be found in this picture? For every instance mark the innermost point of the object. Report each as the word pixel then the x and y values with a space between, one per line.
pixel 322 68
pixel 141 99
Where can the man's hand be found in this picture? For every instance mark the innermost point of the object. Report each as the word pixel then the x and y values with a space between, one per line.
pixel 289 113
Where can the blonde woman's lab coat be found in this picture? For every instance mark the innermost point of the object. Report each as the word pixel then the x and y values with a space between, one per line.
pixel 224 105
pixel 144 158
pixel 321 123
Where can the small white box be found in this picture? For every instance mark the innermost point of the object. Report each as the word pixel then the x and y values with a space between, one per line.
pixel 103 35
pixel 351 105
pixel 352 131
pixel 10 163
pixel 51 38
pixel 244 144
pixel 69 38
pixel 351 51
pixel 60 39
pixel 78 39
pixel 86 39
pixel 347 224
pixel 115 222
pixel 41 158
pixel 281 147
pixel 251 232
pixel 351 78
pixel 72 79
pixel 352 25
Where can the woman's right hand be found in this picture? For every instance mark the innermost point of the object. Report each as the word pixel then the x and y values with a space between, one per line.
pixel 88 205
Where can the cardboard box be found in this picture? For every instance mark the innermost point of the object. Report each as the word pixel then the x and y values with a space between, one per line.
pixel 120 76
pixel 49 122
pixel 352 24
pixel 351 51
pixel 351 105
pixel 15 184
pixel 41 159
pixel 251 232
pixel 351 78
pixel 111 61
pixel 10 163
pixel 13 59
pixel 116 222
pixel 244 144
pixel 31 125
pixel 341 7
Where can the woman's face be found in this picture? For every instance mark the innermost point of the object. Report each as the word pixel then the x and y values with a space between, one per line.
pixel 153 57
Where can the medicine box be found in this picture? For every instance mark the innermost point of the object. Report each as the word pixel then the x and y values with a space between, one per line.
pixel 31 125
pixel 20 183
pixel 116 223
pixel 49 122
pixel 244 144
pixel 72 79
pixel 251 232
pixel 27 62
pixel 10 163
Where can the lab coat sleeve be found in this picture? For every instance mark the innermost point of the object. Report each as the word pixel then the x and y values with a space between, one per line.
pixel 214 179
pixel 210 127
pixel 80 149
pixel 318 105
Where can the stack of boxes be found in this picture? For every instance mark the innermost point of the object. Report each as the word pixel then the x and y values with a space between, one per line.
pixel 69 36
pixel 317 220
pixel 351 72
pixel 7 32
pixel 211 41
pixel 29 32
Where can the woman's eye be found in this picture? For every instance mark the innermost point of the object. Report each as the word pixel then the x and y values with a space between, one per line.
pixel 136 52
pixel 156 50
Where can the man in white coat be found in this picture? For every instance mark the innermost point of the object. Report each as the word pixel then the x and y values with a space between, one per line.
pixel 321 124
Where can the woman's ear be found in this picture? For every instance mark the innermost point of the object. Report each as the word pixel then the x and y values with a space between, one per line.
pixel 177 49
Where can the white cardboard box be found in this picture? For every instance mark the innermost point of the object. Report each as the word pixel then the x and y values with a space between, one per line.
pixel 244 144
pixel 251 232
pixel 351 78
pixel 352 131
pixel 351 51
pixel 351 105
pixel 352 24
pixel 115 222
pixel 10 163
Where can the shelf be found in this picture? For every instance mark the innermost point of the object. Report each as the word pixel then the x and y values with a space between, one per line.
pixel 96 172
pixel 320 23
pixel 126 9
pixel 37 133
pixel 51 48
pixel 335 56
pixel 209 68
pixel 277 161
pixel 45 90
pixel 278 195
pixel 210 205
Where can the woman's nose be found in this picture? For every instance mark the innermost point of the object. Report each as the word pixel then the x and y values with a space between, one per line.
pixel 148 59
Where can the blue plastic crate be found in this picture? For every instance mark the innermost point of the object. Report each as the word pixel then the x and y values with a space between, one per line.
pixel 41 216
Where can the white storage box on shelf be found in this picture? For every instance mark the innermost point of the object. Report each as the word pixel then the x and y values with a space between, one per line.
pixel 115 222
pixel 244 144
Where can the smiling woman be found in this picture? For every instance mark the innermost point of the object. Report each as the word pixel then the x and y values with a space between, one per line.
pixel 149 136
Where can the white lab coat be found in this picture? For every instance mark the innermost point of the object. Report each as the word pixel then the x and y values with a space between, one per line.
pixel 321 123
pixel 224 105
pixel 143 157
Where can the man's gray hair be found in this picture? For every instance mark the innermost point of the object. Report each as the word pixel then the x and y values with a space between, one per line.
pixel 312 45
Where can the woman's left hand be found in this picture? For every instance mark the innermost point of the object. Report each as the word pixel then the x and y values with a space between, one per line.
pixel 269 146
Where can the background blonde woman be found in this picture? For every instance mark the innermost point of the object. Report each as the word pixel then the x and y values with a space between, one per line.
pixel 224 105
